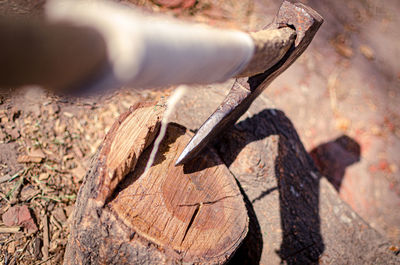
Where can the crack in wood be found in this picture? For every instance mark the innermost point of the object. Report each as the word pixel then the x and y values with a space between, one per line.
pixel 209 202
pixel 195 214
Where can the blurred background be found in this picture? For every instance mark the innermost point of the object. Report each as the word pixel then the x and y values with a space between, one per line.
pixel 342 95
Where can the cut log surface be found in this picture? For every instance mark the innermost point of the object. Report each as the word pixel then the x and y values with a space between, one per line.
pixel 124 215
pixel 200 214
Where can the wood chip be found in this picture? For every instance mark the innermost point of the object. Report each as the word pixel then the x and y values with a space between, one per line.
pixel 68 210
pixel 46 243
pixel 367 52
pixel 11 247
pixel 343 50
pixel 14 133
pixel 9 230
pixel 5 178
pixel 77 151
pixel 343 124
pixel 59 214
pixel 68 114
pixel 78 173
pixel 28 192
pixel 53 109
pixel 36 248
pixel 37 153
pixel 43 176
pixel 342 46
pixel 29 159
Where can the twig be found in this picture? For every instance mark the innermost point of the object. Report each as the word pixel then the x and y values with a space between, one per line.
pixel 9 230
pixel 12 177
pixel 15 258
pixel 55 222
pixel 15 189
pixel 46 260
pixel 4 197
pixel 23 249
pixel 46 242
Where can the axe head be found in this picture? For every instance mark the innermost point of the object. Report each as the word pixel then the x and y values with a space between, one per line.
pixel 306 22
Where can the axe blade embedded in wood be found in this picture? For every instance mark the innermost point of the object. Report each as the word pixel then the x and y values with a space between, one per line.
pixel 306 22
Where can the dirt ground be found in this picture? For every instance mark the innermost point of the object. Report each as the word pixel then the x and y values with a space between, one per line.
pixel 342 95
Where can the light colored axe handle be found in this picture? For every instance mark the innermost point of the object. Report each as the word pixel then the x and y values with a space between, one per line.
pixel 116 46
pixel 49 54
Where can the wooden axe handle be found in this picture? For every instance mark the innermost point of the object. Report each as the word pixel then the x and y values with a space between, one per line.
pixel 54 55
pixel 99 45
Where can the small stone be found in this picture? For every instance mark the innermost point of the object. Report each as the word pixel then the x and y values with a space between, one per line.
pixel 345 219
pixel 60 128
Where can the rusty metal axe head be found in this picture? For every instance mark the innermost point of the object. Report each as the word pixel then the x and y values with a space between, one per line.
pixel 306 22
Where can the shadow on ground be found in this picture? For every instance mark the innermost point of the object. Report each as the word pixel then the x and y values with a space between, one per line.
pixel 301 242
pixel 333 157
pixel 301 239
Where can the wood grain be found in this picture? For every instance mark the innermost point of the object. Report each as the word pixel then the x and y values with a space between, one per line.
pixel 200 215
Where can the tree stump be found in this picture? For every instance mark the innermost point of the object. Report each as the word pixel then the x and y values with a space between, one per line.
pixel 196 214
pixel 126 215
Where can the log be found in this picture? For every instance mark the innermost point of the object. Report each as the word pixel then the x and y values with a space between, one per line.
pixel 166 215
pixel 296 215
pixel 196 214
